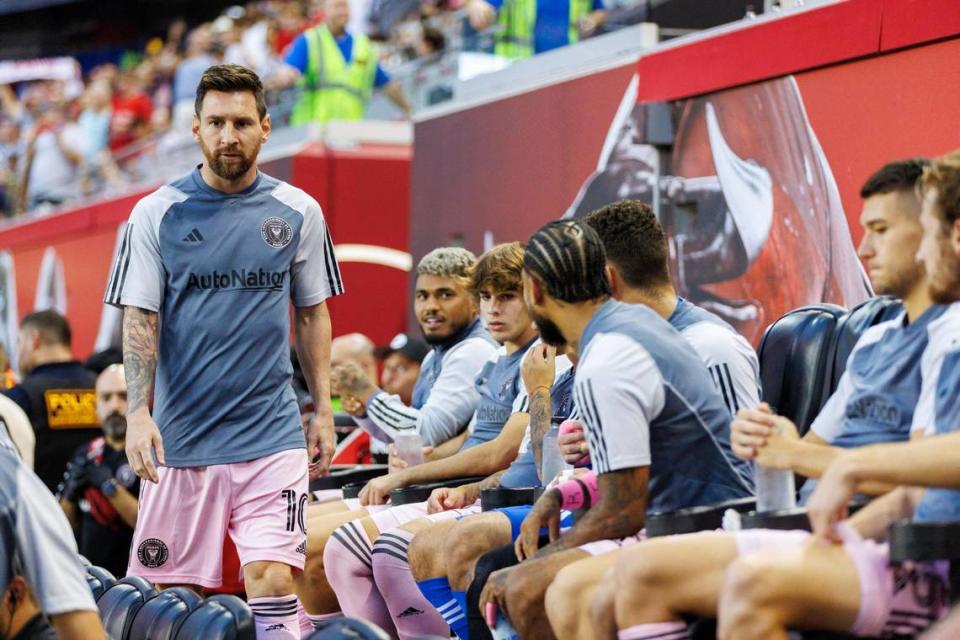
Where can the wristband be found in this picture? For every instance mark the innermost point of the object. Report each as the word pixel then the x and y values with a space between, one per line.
pixel 579 493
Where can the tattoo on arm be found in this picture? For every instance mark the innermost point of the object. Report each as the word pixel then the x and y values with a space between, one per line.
pixel 139 355
pixel 540 411
pixel 620 511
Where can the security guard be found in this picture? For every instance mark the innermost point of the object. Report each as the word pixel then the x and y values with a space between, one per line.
pixel 339 70
pixel 57 393
pixel 534 26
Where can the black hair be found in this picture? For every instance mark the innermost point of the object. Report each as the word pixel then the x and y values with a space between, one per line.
pixel 633 241
pixel 53 327
pixel 901 175
pixel 568 258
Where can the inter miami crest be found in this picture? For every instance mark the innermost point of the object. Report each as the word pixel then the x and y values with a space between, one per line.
pixel 276 232
pixel 152 553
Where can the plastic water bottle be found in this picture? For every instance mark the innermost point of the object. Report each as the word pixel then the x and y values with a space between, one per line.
pixel 776 490
pixel 552 461
pixel 409 447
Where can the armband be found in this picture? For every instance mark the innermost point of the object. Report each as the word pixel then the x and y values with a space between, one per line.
pixel 579 493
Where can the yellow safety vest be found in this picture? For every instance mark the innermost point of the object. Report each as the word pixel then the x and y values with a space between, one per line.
pixel 517 20
pixel 331 88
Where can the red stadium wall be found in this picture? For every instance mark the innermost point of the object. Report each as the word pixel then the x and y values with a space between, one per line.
pixel 364 193
pixel 778 122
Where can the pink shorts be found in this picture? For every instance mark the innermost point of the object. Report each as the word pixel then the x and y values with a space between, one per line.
pixel 894 599
pixel 185 518
pixel 600 547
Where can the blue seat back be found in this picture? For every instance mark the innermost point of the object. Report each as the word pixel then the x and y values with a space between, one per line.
pixel 160 617
pixel 99 580
pixel 120 603
pixel 220 617
pixel 796 358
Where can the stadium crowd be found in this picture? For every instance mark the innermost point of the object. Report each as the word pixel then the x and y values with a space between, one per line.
pixel 102 129
pixel 564 368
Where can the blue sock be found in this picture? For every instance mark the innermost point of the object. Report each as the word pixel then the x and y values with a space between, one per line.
pixel 461 628
pixel 438 592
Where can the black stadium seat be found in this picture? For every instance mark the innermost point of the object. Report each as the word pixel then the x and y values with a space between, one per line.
pixel 99 580
pixel 851 327
pixel 160 617
pixel 796 360
pixel 348 629
pixel 120 603
pixel 220 617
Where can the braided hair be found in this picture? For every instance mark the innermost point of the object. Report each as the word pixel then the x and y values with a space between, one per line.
pixel 567 256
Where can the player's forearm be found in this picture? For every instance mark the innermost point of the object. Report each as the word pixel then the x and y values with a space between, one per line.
pixel 541 410
pixel 480 460
pixel 448 448
pixel 139 356
pixel 78 625
pixel 926 462
pixel 874 520
pixel 69 510
pixel 312 330
pixel 619 512
pixel 126 505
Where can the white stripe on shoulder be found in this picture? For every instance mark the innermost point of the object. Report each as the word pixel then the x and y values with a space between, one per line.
pixel 297 199
pixel 154 206
pixel 876 332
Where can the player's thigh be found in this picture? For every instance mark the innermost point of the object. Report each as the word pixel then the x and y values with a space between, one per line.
pixel 813 586
pixel 319 529
pixel 320 509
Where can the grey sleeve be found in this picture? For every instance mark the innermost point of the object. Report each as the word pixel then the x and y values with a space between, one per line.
pixel 47 550
pixel 452 401
pixel 137 278
pixel 315 272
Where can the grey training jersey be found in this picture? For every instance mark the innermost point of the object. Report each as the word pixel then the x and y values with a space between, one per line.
pixel 648 400
pixel 35 539
pixel 732 362
pixel 221 270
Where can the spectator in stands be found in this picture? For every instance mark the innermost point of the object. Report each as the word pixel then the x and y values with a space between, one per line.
pixel 52 157
pixel 196 60
pixel 40 572
pixel 339 71
pixel 529 27
pixel 849 583
pixel 132 110
pixel 401 365
pixel 885 376
pixel 56 392
pixel 100 484
pixel 9 152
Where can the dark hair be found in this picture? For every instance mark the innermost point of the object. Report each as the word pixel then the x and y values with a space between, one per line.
pixel 568 258
pixel 231 78
pixel 499 269
pixel 633 241
pixel 901 175
pixel 53 327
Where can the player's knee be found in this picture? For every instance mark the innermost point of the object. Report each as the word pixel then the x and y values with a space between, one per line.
pixel 462 549
pixel 421 556
pixel 267 579
pixel 749 598
pixel 563 600
pixel 602 604
pixel 647 575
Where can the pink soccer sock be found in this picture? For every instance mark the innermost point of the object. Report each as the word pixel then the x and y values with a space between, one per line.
pixel 275 618
pixel 656 631
pixel 317 619
pixel 412 613
pixel 346 560
pixel 306 626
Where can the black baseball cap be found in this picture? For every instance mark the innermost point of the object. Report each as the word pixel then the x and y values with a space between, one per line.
pixel 406 345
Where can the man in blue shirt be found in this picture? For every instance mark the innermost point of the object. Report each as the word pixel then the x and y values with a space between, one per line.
pixel 336 86
pixel 219 255
pixel 529 27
